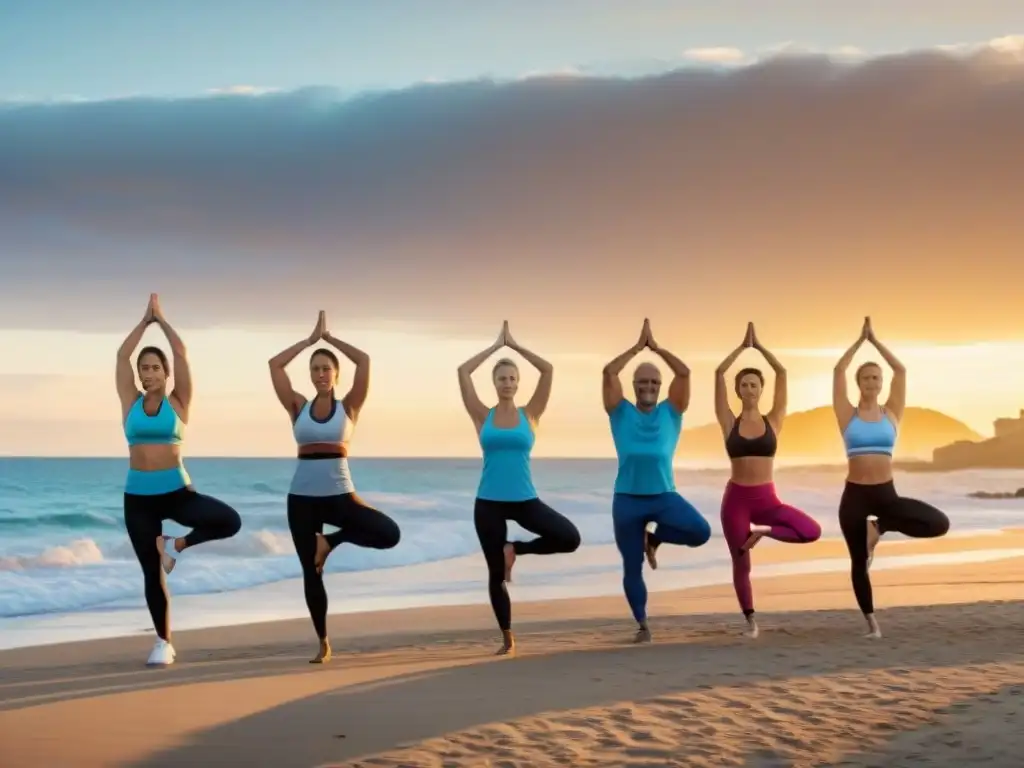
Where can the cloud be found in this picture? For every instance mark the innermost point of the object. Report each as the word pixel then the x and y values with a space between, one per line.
pixel 798 187
pixel 552 74
pixel 716 55
pixel 241 90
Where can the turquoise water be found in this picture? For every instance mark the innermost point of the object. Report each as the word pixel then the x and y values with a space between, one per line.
pixel 63 545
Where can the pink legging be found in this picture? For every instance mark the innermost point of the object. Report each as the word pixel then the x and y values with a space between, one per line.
pixel 743 505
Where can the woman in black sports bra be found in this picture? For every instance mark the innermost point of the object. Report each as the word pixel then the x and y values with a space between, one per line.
pixel 751 509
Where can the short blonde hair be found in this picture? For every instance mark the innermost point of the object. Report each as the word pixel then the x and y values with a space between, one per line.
pixel 502 363
pixel 860 369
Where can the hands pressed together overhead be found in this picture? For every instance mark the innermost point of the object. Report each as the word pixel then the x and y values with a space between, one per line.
pixel 320 331
pixel 504 339
pixel 153 312
pixel 646 339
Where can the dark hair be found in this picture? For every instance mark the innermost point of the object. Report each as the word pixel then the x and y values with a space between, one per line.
pixel 747 372
pixel 153 351
pixel 862 366
pixel 329 355
pixel 502 363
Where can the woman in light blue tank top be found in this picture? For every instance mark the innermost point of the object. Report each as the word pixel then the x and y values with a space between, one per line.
pixel 506 490
pixel 322 491
pixel 870 505
pixel 158 488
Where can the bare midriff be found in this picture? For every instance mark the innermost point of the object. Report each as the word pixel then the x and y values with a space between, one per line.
pixel 153 458
pixel 872 469
pixel 753 470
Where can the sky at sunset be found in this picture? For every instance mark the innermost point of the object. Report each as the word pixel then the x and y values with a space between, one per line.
pixel 571 167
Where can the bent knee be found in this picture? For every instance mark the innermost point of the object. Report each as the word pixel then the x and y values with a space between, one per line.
pixel 572 539
pixel 390 536
pixel 941 525
pixel 701 532
pixel 232 523
pixel 813 531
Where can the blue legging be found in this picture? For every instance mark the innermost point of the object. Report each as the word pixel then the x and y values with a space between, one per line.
pixel 678 522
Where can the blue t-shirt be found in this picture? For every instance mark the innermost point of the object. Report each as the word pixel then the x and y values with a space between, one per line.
pixel 645 444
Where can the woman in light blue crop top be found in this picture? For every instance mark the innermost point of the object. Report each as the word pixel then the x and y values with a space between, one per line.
pixel 506 490
pixel 158 488
pixel 870 505
pixel 322 492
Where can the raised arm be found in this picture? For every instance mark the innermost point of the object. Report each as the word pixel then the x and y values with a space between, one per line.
pixel 611 385
pixel 124 374
pixel 539 402
pixel 286 395
pixel 179 358
pixel 679 388
pixel 726 418
pixel 777 415
pixel 356 397
pixel 841 404
pixel 898 389
pixel 474 407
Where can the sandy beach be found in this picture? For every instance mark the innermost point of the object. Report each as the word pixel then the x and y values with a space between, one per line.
pixel 420 687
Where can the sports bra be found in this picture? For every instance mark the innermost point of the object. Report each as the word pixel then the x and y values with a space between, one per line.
pixel 334 430
pixel 162 428
pixel 865 438
pixel 763 446
pixel 323 473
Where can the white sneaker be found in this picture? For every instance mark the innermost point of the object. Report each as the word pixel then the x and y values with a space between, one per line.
pixel 162 655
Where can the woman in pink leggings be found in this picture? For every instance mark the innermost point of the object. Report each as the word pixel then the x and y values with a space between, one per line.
pixel 750 508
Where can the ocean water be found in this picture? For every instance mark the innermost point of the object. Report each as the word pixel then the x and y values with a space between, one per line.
pixel 65 559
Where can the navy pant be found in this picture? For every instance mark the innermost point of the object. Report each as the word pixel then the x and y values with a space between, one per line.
pixel 678 522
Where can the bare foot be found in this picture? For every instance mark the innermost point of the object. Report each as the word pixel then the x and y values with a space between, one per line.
pixel 643 635
pixel 167 554
pixel 874 534
pixel 508 645
pixel 650 551
pixel 874 631
pixel 510 560
pixel 757 532
pixel 752 630
pixel 323 549
pixel 324 655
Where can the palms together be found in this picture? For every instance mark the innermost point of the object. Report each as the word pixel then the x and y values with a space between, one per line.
pixel 320 331
pixel 647 338
pixel 153 312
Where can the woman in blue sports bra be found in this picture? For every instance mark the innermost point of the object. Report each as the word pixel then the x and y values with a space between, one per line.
pixel 506 490
pixel 322 492
pixel 158 488
pixel 870 505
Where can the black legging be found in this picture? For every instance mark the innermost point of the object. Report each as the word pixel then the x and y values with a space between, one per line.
pixel 209 518
pixel 555 534
pixel 895 513
pixel 358 524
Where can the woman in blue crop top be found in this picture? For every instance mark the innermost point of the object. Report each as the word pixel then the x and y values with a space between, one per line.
pixel 506 489
pixel 870 505
pixel 322 492
pixel 158 487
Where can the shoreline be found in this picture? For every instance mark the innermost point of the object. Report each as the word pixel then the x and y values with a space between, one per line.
pixel 281 601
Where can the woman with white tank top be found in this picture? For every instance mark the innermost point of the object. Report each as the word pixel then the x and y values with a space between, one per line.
pixel 322 491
